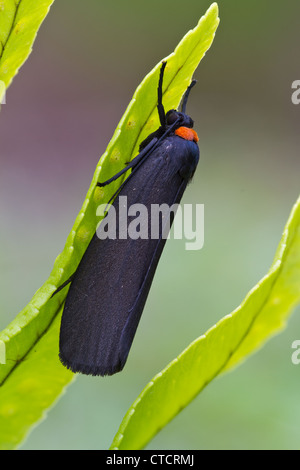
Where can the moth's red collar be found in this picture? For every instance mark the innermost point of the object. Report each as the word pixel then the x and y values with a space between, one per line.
pixel 187 134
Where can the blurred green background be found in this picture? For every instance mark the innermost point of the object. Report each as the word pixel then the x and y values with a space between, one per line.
pixel 60 114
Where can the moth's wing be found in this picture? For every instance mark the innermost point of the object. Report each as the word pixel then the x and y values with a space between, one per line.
pixel 111 284
pixel 138 306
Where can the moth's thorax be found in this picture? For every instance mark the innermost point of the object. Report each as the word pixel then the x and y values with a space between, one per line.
pixel 180 156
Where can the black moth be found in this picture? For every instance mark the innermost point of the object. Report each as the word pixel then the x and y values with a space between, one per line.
pixel 110 286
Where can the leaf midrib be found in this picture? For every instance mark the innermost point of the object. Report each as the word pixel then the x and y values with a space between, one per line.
pixel 11 29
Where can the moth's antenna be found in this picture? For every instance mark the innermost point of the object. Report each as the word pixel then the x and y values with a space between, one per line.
pixel 186 95
pixel 160 108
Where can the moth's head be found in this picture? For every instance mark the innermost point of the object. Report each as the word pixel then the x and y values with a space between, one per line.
pixel 184 125
pixel 183 119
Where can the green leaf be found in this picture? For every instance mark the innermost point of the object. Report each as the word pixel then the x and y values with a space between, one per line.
pixel 2 92
pixel 263 313
pixel 37 320
pixel 31 389
pixel 2 353
pixel 20 21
